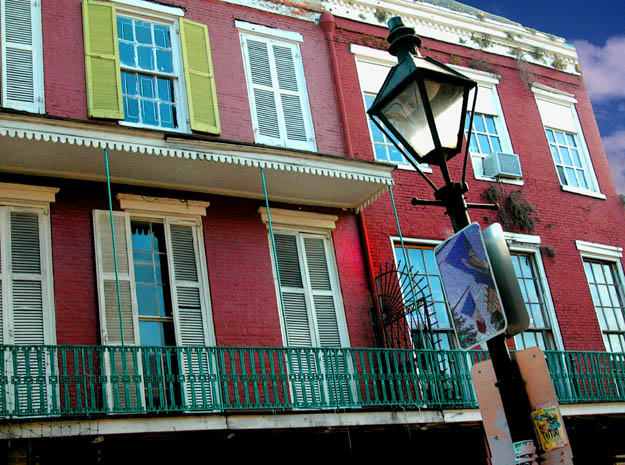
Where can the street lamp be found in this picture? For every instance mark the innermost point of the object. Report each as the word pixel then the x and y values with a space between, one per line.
pixel 422 102
pixel 422 107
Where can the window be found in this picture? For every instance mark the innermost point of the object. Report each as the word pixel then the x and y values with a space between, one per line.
pixel 605 279
pixel 148 66
pixel 539 333
pixel 565 153
pixel 276 87
pixel 163 292
pixel 422 262
pixel 489 133
pixel 312 313
pixel 22 56
pixel 383 147
pixel 606 289
pixel 147 71
pixel 566 141
pixel 373 66
pixel 26 293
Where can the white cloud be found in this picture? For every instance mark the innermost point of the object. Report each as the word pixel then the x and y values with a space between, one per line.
pixel 614 145
pixel 603 67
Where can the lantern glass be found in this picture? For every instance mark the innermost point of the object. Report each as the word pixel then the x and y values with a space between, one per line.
pixel 406 113
pixel 446 101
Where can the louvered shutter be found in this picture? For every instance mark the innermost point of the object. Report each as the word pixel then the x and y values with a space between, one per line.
pixel 325 311
pixel 122 364
pixel 297 322
pixel 190 315
pixel 27 306
pixel 103 77
pixel 278 94
pixel 22 61
pixel 199 77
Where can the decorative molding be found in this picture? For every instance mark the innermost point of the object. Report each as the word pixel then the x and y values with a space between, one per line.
pixel 162 205
pixel 297 218
pixel 151 7
pixel 599 250
pixel 460 28
pixel 522 239
pixel 24 194
pixel 269 31
pixel 550 93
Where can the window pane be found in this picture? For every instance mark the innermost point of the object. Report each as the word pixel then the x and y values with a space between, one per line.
pixel 550 137
pixel 478 123
pixel 161 36
pixel 570 174
pixel 490 125
pixel 164 61
pixel 152 333
pixel 484 145
pixel 145 56
pixel 496 145
pixel 143 32
pixel 167 115
pixel 127 54
pixel 147 301
pixel 131 109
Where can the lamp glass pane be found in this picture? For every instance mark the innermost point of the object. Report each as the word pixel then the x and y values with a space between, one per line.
pixel 406 114
pixel 446 103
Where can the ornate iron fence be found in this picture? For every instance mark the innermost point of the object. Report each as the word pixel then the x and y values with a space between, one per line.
pixel 85 380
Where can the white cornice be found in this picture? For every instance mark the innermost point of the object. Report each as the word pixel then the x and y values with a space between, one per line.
pixel 298 218
pixel 461 28
pixel 181 207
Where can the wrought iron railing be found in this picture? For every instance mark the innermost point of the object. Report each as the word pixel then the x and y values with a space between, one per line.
pixel 87 380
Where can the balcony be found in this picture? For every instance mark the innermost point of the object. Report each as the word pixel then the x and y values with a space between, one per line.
pixel 74 381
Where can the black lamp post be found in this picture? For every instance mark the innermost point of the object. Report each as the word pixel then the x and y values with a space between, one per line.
pixel 422 107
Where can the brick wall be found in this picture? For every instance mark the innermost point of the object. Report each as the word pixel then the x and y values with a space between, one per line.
pixel 563 217
pixel 243 295
pixel 65 78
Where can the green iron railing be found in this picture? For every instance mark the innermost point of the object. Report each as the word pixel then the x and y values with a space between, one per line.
pixel 87 380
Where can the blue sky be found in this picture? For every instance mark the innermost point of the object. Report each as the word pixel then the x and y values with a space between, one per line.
pixel 597 29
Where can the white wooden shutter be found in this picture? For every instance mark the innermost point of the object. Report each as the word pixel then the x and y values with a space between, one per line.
pixel 190 313
pixel 324 298
pixel 120 364
pixel 297 321
pixel 22 60
pixel 278 94
pixel 27 320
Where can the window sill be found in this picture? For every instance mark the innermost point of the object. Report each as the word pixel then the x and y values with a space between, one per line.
pixel 407 167
pixel 514 182
pixel 153 128
pixel 587 193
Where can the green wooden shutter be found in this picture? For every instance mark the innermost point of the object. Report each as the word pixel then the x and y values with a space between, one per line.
pixel 122 365
pixel 199 77
pixel 22 63
pixel 190 315
pixel 103 77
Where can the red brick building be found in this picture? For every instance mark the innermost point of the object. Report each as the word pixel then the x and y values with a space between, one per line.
pixel 225 147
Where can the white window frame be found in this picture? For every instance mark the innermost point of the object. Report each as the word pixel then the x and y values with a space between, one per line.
pixel 608 254
pixel 487 84
pixel 164 15
pixel 567 101
pixel 381 63
pixel 174 211
pixel 286 39
pixel 529 244
pixel 38 105
pixel 319 224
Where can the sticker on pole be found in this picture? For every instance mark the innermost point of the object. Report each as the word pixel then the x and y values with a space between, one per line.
pixel 470 288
